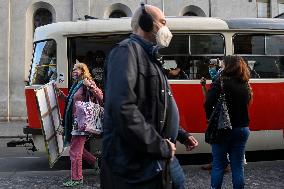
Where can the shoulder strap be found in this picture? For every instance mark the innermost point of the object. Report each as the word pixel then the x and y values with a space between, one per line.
pixel 222 85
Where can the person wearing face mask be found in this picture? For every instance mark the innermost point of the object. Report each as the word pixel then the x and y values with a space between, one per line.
pixel 141 120
pixel 82 82
pixel 214 69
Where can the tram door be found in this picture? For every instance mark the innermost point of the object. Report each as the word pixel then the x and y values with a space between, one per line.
pixel 92 51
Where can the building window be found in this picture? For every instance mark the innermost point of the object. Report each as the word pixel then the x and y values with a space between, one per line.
pixel 192 10
pixel 42 17
pixel 280 6
pixel 263 8
pixel 117 14
pixel 189 14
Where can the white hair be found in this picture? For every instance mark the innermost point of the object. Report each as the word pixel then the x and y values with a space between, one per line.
pixel 136 16
pixel 135 19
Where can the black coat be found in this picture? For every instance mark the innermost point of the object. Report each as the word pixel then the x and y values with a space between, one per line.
pixel 237 98
pixel 134 143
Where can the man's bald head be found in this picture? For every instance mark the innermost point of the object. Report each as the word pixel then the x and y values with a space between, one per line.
pixel 155 12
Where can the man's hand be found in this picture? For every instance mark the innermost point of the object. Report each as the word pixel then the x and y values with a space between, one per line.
pixel 174 72
pixel 191 143
pixel 173 147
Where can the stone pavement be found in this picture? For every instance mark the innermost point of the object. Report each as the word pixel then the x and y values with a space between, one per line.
pixel 258 175
pixel 12 129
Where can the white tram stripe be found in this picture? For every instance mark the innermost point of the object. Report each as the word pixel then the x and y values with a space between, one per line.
pixel 2 158
pixel 197 81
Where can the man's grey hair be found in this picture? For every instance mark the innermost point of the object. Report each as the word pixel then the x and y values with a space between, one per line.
pixel 136 16
pixel 135 19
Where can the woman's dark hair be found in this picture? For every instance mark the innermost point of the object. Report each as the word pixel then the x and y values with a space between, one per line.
pixel 236 67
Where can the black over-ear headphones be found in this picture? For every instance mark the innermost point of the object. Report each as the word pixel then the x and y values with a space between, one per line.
pixel 145 20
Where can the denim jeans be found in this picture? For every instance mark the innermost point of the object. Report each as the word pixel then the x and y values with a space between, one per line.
pixel 235 147
pixel 177 174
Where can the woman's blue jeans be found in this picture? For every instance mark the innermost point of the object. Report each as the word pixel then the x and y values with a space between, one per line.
pixel 235 147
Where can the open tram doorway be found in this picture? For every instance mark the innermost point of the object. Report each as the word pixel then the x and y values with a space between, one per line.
pixel 91 50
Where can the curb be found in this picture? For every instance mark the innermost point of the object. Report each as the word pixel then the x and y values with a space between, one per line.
pixel 52 173
pixel 12 129
pixel 18 136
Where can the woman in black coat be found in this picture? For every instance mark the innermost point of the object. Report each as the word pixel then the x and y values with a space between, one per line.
pixel 238 94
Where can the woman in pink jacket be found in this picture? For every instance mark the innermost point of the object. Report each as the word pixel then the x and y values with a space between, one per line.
pixel 83 87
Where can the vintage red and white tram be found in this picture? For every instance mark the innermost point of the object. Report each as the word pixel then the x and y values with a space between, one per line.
pixel 196 41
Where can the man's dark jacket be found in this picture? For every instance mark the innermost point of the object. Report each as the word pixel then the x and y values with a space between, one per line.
pixel 134 144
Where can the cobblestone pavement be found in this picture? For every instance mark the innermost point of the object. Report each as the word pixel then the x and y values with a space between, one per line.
pixel 258 175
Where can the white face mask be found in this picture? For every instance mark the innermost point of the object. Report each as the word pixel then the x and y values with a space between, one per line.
pixel 163 37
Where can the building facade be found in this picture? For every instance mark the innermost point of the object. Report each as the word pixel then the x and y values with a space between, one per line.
pixel 20 18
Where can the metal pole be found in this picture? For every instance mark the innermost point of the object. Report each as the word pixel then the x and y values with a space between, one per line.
pixel 143 1
pixel 163 6
pixel 209 8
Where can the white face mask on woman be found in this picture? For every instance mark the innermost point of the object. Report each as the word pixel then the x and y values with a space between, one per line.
pixel 163 37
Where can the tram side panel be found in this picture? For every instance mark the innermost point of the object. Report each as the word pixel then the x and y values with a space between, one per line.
pixel 266 115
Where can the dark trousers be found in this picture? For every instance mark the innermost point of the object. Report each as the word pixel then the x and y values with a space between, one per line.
pixel 112 181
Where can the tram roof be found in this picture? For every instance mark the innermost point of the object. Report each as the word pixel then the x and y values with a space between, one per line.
pixel 256 23
pixel 116 25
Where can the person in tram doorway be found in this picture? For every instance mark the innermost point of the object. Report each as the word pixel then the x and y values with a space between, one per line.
pixel 98 68
pixel 238 94
pixel 72 136
pixel 141 120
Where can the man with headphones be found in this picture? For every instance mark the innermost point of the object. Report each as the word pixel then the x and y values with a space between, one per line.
pixel 141 120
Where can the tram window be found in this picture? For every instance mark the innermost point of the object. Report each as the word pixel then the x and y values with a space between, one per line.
pixel 274 44
pixel 266 66
pixel 263 53
pixel 187 67
pixel 188 56
pixel 43 68
pixel 259 44
pixel 195 44
pixel 179 45
pixel 207 44
pixel 249 44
